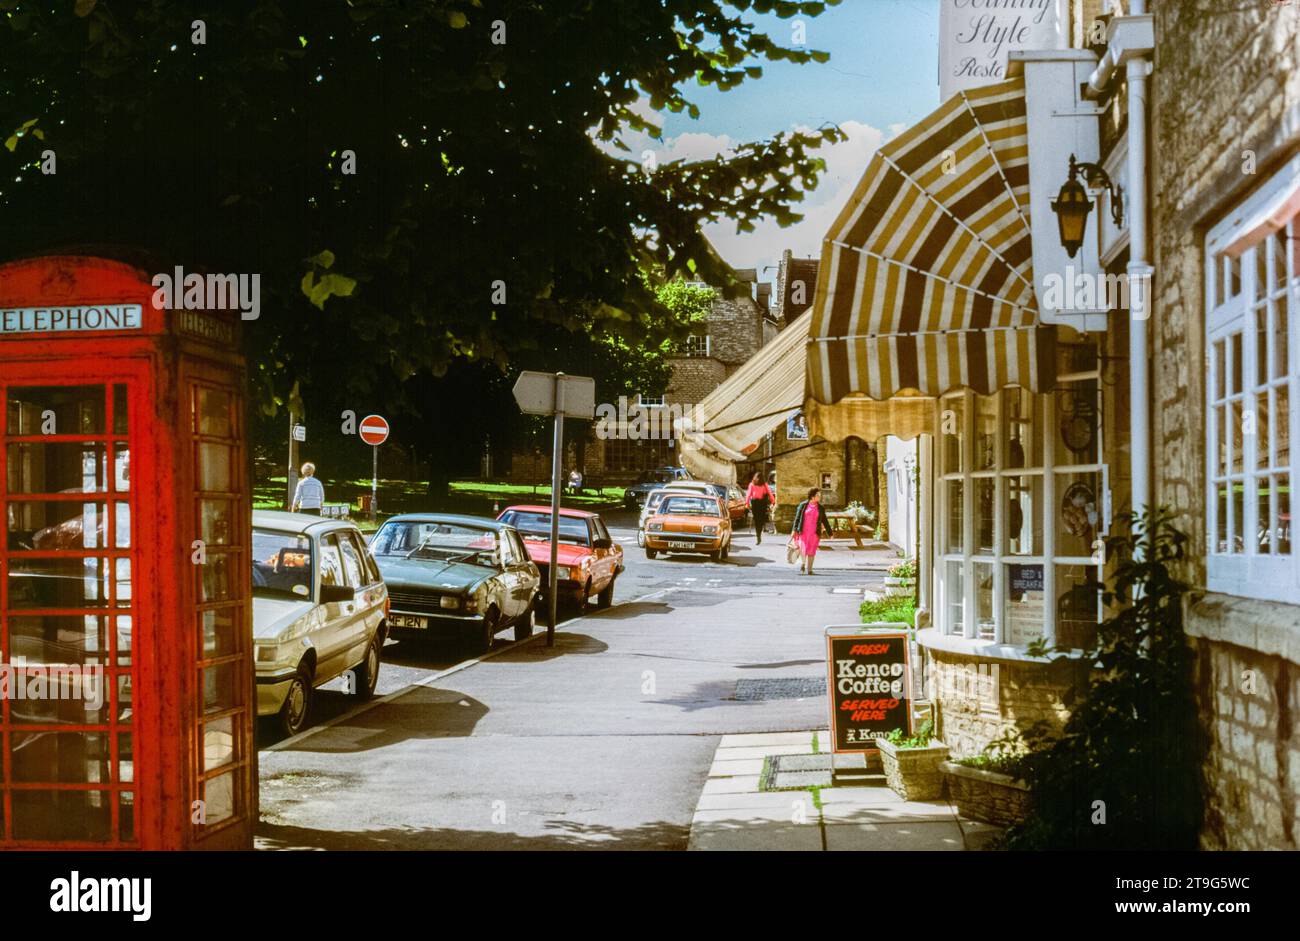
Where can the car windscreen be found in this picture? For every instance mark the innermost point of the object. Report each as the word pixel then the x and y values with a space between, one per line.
pixel 281 564
pixel 534 525
pixel 689 506
pixel 439 541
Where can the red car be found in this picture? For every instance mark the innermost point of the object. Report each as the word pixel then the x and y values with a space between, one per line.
pixel 588 560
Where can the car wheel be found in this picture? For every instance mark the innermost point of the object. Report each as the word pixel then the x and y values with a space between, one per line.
pixel 524 628
pixel 606 597
pixel 584 603
pixel 640 539
pixel 651 553
pixel 366 674
pixel 716 555
pixel 726 551
pixel 487 631
pixel 297 704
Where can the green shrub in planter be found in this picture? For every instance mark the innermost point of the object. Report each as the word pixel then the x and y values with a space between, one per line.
pixel 912 764
pixel 891 609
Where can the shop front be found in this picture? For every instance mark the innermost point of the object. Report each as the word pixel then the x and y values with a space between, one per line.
pixel 928 324
pixel 125 719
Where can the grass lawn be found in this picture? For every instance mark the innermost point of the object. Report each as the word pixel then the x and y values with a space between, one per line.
pixel 476 498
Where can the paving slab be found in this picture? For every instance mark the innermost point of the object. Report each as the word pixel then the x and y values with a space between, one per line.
pixel 781 813
pixel 761 739
pixel 749 800
pixel 741 784
pixel 720 769
pixel 743 753
pixel 870 795
pixel 766 837
pixel 894 837
pixel 886 811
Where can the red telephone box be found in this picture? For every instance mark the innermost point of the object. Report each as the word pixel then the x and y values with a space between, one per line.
pixel 124 491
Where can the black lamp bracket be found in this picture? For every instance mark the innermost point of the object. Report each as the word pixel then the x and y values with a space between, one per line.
pixel 1096 177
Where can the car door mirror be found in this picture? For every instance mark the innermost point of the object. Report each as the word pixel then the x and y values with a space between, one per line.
pixel 599 543
pixel 334 594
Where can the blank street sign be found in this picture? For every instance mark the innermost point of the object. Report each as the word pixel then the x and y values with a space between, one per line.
pixel 535 393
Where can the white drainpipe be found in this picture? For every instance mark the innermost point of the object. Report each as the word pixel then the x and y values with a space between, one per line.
pixel 1139 273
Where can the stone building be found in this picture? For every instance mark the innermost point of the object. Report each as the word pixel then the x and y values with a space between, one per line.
pixel 1225 184
pixel 1153 160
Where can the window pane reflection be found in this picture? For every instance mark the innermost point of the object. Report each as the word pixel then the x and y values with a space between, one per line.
pixel 77 410
pixel 55 467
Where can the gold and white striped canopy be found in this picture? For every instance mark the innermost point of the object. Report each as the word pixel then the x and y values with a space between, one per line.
pixel 926 278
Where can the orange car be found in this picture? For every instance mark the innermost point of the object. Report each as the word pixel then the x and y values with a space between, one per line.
pixel 588 560
pixel 689 523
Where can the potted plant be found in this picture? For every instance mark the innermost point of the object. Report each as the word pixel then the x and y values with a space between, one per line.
pixel 912 763
pixel 901 578
pixel 985 787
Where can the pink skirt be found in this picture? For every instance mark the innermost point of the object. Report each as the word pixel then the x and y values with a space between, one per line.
pixel 809 539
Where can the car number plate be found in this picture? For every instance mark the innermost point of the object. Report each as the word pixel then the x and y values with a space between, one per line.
pixel 409 620
pixel 681 545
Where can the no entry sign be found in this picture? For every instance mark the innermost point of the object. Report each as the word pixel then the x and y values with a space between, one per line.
pixel 374 429
pixel 869 685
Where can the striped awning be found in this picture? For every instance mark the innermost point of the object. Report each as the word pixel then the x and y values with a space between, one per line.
pixel 730 422
pixel 926 278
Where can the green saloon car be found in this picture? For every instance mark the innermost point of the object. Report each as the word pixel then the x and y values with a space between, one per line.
pixel 455 575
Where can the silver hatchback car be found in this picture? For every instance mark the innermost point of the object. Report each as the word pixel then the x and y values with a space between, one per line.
pixel 319 609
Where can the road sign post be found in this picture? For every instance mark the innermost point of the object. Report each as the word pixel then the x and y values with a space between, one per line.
pixel 558 395
pixel 374 432
pixel 557 451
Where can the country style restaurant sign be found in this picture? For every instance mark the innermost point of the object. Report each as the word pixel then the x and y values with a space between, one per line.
pixel 975 37
pixel 869 684
pixel 100 317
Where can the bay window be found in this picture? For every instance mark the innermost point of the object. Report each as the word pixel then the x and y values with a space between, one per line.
pixel 1023 504
pixel 1252 286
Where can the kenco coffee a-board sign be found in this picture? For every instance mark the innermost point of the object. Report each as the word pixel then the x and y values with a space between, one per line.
pixel 869 684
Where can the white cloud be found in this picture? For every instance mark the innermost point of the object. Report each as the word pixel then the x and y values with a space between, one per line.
pixel 845 164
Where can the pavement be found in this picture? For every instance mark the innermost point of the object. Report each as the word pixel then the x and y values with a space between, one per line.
pixel 606 740
pixel 734 814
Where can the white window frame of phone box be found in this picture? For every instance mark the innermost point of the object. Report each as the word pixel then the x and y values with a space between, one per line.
pixel 1252 303
pixel 1041 476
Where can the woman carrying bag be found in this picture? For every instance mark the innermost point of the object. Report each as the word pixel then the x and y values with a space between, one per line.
pixel 759 497
pixel 809 521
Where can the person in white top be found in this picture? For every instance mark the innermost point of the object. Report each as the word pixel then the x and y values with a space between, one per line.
pixel 310 495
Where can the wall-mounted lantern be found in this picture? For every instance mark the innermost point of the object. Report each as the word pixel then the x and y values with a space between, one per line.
pixel 1072 204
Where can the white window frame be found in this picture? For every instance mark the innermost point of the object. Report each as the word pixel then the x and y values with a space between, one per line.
pixel 650 401
pixel 1265 568
pixel 1047 417
pixel 692 347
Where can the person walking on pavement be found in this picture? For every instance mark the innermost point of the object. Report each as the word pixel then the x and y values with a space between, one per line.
pixel 809 521
pixel 760 499
pixel 310 495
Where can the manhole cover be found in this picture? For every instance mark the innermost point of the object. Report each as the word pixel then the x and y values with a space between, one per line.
pixel 795 772
pixel 795 687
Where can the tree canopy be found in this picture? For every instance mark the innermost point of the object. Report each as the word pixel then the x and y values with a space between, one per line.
pixel 417 184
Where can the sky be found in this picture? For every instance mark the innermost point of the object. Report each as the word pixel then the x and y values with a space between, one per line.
pixel 882 77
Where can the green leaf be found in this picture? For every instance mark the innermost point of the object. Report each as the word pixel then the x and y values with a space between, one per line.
pixel 457 20
pixel 325 259
pixel 11 143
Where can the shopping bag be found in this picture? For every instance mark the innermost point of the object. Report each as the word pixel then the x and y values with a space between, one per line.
pixel 793 553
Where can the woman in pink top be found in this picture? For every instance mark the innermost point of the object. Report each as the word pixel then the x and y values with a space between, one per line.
pixel 809 521
pixel 760 499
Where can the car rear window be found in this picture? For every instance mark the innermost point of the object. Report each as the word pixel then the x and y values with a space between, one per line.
pixel 689 506
pixel 534 525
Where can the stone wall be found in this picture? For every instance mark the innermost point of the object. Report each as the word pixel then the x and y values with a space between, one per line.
pixel 977 698
pixel 1248 687
pixel 736 330
pixel 693 378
